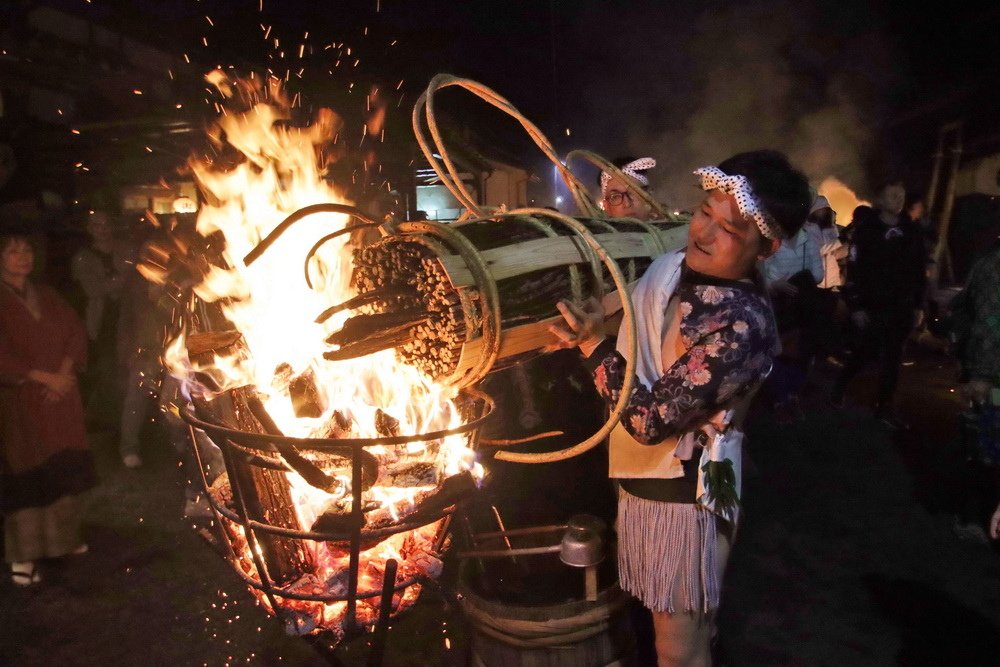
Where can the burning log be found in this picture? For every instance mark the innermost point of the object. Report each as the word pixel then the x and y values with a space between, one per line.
pixel 340 425
pixel 302 391
pixel 201 347
pixel 453 489
pixel 427 506
pixel 366 334
pixel 410 473
pixel 386 424
pixel 384 340
pixel 266 492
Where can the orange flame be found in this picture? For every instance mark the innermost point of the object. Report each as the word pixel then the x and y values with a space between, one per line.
pixel 281 171
pixel 842 199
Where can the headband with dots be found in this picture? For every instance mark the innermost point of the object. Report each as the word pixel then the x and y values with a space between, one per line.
pixel 713 178
pixel 633 169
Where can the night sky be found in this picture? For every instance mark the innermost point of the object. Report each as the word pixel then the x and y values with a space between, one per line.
pixel 854 88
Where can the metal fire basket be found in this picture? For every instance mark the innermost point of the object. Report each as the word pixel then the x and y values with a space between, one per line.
pixel 260 450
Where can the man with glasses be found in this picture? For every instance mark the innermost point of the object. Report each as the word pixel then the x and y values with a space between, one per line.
pixel 618 199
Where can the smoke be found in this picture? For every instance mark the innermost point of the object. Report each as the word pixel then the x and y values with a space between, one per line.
pixel 693 89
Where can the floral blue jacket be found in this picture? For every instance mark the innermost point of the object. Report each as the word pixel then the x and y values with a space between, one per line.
pixel 727 329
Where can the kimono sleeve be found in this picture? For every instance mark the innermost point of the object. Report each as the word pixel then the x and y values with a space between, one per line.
pixel 708 375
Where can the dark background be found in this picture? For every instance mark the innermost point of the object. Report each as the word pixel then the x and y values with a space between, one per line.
pixel 853 89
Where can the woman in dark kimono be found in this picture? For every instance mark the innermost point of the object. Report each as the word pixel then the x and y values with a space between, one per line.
pixel 46 460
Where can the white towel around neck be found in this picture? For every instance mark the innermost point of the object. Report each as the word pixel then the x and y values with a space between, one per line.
pixel 650 298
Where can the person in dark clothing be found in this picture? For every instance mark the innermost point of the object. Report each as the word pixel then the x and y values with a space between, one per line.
pixel 885 289
pixel 976 329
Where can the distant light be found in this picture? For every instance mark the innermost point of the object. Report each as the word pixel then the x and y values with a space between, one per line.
pixel 136 91
pixel 559 200
pixel 185 205
pixel 567 132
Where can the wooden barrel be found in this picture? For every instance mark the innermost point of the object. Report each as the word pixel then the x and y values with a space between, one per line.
pixel 491 287
pixel 568 634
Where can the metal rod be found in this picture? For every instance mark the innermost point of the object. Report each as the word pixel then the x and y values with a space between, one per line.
pixel 262 573
pixel 351 620
pixel 220 527
pixel 330 237
pixel 522 531
pixel 464 516
pixel 506 553
pixel 932 188
pixel 590 574
pixel 385 609
pixel 325 649
pixel 264 442
pixel 300 214
pixel 380 533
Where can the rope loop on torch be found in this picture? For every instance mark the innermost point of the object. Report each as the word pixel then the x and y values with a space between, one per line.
pixel 449 175
pixel 630 345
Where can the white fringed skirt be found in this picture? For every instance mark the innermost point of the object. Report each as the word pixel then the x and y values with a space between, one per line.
pixel 668 554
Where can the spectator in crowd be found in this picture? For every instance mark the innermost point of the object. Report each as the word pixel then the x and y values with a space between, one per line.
pixel 822 330
pixel 100 268
pixel 821 225
pixel 791 275
pixel 618 199
pixel 976 315
pixel 145 315
pixel 46 459
pixel 885 292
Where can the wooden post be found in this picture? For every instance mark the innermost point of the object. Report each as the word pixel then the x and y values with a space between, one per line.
pixel 591 585
pixel 942 255
pixel 932 189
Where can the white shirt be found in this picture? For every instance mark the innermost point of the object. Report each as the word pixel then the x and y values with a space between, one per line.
pixel 796 254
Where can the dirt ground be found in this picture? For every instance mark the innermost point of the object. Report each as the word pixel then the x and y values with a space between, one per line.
pixel 847 555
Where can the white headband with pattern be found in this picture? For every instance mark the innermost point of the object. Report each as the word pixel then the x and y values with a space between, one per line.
pixel 633 169
pixel 713 178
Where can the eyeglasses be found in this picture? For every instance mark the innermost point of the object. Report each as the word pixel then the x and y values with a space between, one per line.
pixel 616 197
